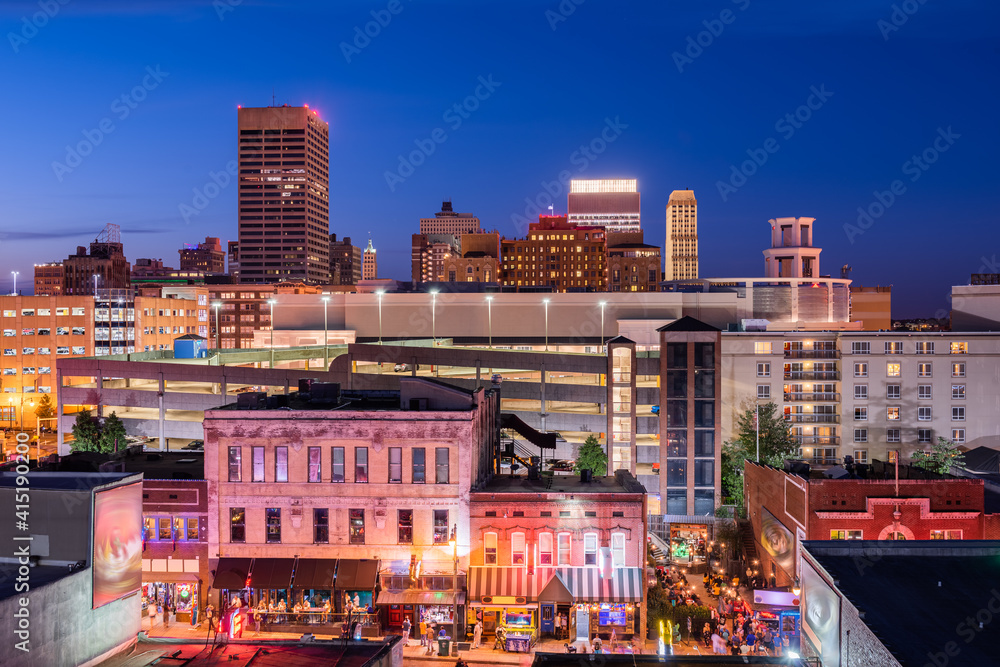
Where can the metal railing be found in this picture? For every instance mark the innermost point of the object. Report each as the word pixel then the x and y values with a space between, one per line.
pixel 812 375
pixel 818 440
pixel 811 418
pixel 811 396
pixel 812 354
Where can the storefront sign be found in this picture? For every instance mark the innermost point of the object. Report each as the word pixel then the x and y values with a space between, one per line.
pixel 776 598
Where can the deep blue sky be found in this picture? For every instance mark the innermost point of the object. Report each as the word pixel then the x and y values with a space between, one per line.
pixel 606 60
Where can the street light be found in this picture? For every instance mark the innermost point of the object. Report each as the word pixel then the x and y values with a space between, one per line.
pixel 489 315
pixel 379 293
pixel 546 302
pixel 434 296
pixel 603 304
pixel 326 338
pixel 272 303
pixel 14 273
pixel 454 589
pixel 11 420
pixel 218 332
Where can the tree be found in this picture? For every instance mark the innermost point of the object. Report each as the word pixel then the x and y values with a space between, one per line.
pixel 86 433
pixel 592 457
pixel 112 430
pixel 45 409
pixel 776 445
pixel 941 458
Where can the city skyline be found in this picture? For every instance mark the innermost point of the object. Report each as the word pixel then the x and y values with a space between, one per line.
pixel 160 126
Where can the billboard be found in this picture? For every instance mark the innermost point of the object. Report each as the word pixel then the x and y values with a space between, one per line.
pixel 820 615
pixel 778 541
pixel 117 561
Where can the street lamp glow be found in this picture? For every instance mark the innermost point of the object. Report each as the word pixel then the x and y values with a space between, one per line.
pixel 218 332
pixel 434 294
pixel 326 336
pixel 379 293
pixel 15 274
pixel 546 302
pixel 489 317
pixel 272 303
pixel 603 305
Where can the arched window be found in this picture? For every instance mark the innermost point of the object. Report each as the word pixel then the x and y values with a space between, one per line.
pixel 545 549
pixel 517 549
pixel 490 548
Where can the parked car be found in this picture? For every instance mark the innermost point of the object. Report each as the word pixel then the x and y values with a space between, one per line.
pixel 402 368
pixel 195 445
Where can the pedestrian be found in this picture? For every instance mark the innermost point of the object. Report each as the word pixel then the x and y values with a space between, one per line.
pixel 406 631
pixel 718 644
pixel 152 615
pixel 477 635
pixel 614 637
pixel 706 632
pixel 430 639
pixel 423 632
pixel 166 616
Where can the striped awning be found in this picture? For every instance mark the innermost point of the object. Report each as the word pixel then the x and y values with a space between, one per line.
pixel 623 584
pixel 506 582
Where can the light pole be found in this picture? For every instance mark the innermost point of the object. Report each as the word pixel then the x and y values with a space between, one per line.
pixel 380 293
pixel 326 339
pixel 434 296
pixel 218 332
pixel 546 302
pixel 272 303
pixel 603 304
pixel 95 285
pixel 454 590
pixel 10 401
pixel 489 317
pixel 14 273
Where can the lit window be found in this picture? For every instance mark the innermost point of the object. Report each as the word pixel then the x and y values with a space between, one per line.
pixel 860 370
pixel 957 392
pixel 517 549
pixel 946 534
pixel 590 549
pixel 892 413
pixel 958 370
pixel 925 348
pixel 272 518
pixel 924 370
pixel 763 370
pixel 357 526
pixel 892 370
pixel 959 348
pixel 895 347
pixel 762 348
pixel 958 435
pixel 563 548
pixel 861 456
pixel 861 414
pixel 235 464
pixel 490 548
pixel 545 549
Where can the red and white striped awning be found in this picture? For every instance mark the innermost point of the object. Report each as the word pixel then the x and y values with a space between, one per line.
pixel 506 582
pixel 586 584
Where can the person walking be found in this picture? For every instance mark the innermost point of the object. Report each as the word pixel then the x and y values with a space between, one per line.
pixel 423 632
pixel 166 616
pixel 406 630
pixel 477 635
pixel 152 615
pixel 430 640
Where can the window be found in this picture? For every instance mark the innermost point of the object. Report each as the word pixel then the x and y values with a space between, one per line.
pixel 440 465
pixel 337 464
pixel 321 525
pixel 762 348
pixel 357 526
pixel 618 550
pixel 861 369
pixel 946 534
pixel 419 465
pixel 517 549
pixel 958 435
pixel 361 465
pixel 257 472
pixel 860 435
pixel 395 465
pixel 861 456
pixel 315 464
pixel 892 413
pixel 924 392
pixel 590 549
pixel 892 391
pixel 958 392
pixel 763 391
pixel 959 348
pixel 845 534
pixel 958 370
pixel 404 526
pixel 924 370
pixel 861 414
pixel 490 548
pixel 441 527
pixel 894 347
pixel 925 348
pixel 164 529
pixel 924 413
pixel 958 413
pixel 563 549
pixel 237 524
pixel 858 347
pixel 545 549
pixel 892 370
pixel 235 464
pixel 923 435
pixel 892 435
pixel 281 464
pixel 272 520
pixel 860 392
pixel 763 369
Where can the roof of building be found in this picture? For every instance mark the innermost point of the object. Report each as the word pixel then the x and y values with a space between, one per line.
pixel 66 481
pixel 574 660
pixel 688 323
pixel 917 596
pixel 38 577
pixel 982 459
pixel 184 464
pixel 262 653
pixel 621 482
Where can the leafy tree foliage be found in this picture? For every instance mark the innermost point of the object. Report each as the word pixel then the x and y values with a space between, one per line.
pixel 943 455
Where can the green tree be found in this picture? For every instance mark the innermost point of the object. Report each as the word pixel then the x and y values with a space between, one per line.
pixel 776 445
pixel 592 457
pixel 86 433
pixel 45 409
pixel 943 455
pixel 113 429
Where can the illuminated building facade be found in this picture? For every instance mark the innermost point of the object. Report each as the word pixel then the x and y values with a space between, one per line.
pixel 206 257
pixel 345 261
pixel 369 263
pixel 557 255
pixel 284 196
pixel 50 279
pixel 609 203
pixel 447 221
pixel 680 256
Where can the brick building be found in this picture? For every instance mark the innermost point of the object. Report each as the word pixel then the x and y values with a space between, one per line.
pixel 206 257
pixel 558 547
pixel 556 254
pixel 786 508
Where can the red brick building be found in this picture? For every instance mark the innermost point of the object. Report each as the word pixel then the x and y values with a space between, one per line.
pixel 786 508
pixel 553 548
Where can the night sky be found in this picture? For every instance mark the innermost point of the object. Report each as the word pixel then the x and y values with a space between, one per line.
pixel 884 85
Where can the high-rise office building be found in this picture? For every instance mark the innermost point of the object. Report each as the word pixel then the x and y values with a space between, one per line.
pixel 447 221
pixel 680 256
pixel 369 263
pixel 284 198
pixel 609 203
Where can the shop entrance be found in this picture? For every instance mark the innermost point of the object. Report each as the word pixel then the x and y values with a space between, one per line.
pixel 582 623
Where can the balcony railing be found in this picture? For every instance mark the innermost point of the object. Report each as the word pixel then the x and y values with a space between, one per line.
pixel 811 396
pixel 812 375
pixel 824 461
pixel 812 354
pixel 811 418
pixel 817 440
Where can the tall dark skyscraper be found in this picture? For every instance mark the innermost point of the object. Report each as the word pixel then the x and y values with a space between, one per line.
pixel 284 198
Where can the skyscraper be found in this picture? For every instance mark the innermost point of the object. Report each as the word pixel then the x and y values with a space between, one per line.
pixel 609 203
pixel 680 256
pixel 284 197
pixel 369 263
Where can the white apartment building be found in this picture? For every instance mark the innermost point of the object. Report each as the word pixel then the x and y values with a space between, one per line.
pixel 867 394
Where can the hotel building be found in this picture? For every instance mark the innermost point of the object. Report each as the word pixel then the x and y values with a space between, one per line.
pixel 609 203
